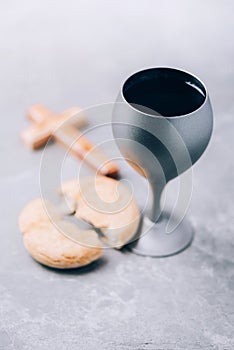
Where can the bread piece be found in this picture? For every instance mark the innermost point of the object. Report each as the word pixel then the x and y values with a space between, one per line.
pixel 54 242
pixel 107 204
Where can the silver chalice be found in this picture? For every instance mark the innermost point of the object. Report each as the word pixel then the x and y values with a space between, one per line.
pixel 162 123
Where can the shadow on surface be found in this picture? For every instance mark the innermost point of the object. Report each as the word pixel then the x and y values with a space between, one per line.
pixel 94 266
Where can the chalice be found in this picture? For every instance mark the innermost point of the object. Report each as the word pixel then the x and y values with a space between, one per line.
pixel 162 124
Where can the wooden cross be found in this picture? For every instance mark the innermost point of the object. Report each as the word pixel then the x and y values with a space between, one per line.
pixel 47 125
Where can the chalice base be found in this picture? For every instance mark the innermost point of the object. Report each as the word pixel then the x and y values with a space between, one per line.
pixel 154 241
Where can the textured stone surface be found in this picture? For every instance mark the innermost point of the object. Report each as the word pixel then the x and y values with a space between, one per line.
pixel 67 53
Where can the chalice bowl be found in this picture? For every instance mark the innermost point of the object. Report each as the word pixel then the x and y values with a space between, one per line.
pixel 162 124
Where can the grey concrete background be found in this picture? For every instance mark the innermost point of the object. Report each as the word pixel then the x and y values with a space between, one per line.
pixel 64 53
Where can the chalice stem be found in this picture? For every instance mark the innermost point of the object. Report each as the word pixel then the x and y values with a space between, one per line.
pixel 156 189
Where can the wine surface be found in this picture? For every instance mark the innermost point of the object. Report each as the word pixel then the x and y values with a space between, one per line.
pixel 166 96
